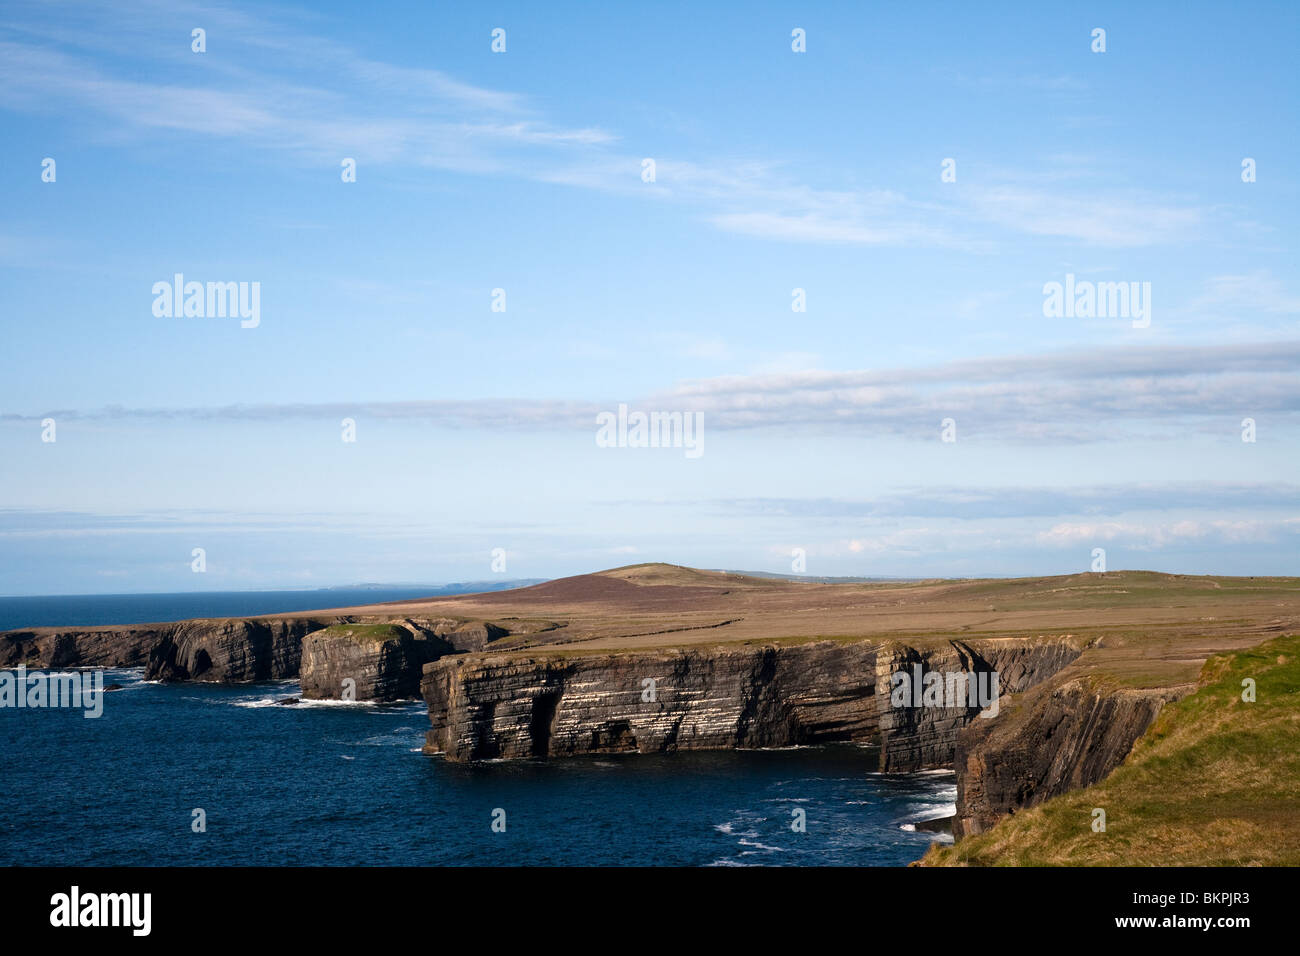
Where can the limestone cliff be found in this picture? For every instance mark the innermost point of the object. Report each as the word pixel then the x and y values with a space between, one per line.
pixel 221 649
pixel 81 647
pixel 237 650
pixel 218 650
pixel 768 695
pixel 230 650
pixel 1062 737
pixel 658 658
pixel 382 662
pixel 915 737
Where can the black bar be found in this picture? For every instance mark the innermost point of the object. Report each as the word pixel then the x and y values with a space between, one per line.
pixel 330 906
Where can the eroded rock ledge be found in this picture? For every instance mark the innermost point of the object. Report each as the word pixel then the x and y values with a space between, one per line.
pixel 1062 736
pixel 1063 731
pixel 217 650
pixel 504 707
pixel 382 657
pixel 383 661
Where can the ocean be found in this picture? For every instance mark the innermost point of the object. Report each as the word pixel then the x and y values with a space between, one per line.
pixel 88 609
pixel 335 783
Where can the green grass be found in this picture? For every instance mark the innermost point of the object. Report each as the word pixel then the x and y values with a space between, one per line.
pixel 1215 781
pixel 365 633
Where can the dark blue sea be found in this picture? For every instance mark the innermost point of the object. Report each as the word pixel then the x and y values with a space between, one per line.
pixel 336 783
pixel 86 609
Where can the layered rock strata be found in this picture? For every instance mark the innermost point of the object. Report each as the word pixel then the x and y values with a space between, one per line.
pixel 1061 734
pixel 489 707
pixel 1061 737
pixel 237 650
pixel 383 661
pixel 222 649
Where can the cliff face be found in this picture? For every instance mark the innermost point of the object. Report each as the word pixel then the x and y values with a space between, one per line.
pixel 1062 737
pixel 230 650
pixel 694 699
pixel 234 650
pixel 227 649
pixel 914 737
pixel 383 663
pixel 714 698
pixel 67 647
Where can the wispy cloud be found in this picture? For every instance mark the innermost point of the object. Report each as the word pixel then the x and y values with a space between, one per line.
pixel 280 88
pixel 1077 396
pixel 1133 219
pixel 1156 536
pixel 1022 502
pixel 341 104
pixel 1260 291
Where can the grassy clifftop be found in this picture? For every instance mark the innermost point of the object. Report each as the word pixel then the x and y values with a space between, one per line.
pixel 365 633
pixel 1214 781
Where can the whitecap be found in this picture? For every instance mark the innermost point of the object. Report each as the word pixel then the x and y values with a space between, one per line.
pixel 729 829
pixel 761 846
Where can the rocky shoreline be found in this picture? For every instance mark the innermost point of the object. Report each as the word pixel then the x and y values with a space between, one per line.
pixel 514 687
pixel 506 706
pixel 511 706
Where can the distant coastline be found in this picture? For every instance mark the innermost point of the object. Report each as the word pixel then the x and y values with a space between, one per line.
pixel 76 610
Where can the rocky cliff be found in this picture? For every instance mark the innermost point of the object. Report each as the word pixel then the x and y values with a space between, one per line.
pixel 1057 736
pixel 381 662
pixel 384 659
pixel 1058 732
pixel 485 707
pixel 81 647
pixel 222 649
pixel 1062 737
pixel 916 737
pixel 230 650
pixel 658 657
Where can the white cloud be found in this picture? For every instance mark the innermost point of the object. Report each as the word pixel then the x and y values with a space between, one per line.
pixel 1159 535
pixel 1135 219
pixel 1075 396
pixel 343 103
pixel 1259 291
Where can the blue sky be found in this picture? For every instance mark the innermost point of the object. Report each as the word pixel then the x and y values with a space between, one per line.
pixel 522 171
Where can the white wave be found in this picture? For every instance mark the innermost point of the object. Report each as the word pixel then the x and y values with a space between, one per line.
pixel 761 846
pixel 729 829
pixel 947 810
pixel 924 812
pixel 300 703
